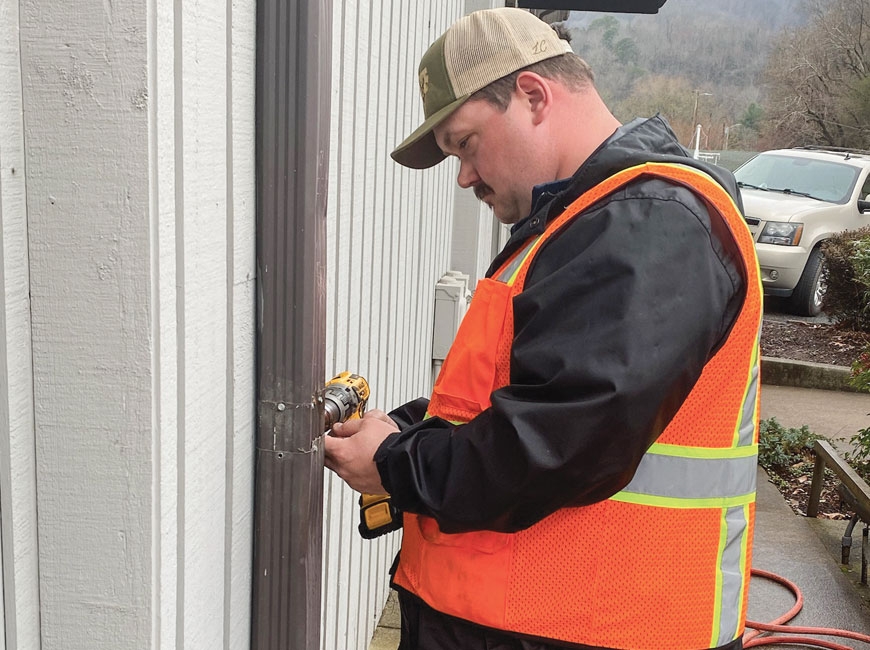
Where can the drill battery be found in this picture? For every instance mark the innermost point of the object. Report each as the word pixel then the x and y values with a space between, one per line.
pixel 377 516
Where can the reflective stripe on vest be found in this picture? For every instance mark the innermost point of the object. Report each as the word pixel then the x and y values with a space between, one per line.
pixel 710 484
pixel 691 477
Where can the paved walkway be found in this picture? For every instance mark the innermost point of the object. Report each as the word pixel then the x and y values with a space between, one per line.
pixel 835 414
pixel 807 551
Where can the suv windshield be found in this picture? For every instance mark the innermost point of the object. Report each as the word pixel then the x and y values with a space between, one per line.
pixel 818 179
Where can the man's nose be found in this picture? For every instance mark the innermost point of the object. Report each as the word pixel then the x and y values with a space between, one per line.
pixel 467 175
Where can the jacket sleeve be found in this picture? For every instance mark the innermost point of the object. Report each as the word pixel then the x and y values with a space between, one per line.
pixel 410 413
pixel 618 316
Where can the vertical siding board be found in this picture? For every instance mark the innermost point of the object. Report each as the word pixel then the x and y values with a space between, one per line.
pixel 164 165
pixel 332 486
pixel 382 317
pixel 410 185
pixel 398 175
pixel 384 203
pixel 343 198
pixel 7 631
pixel 331 532
pixel 363 166
pixel 369 223
pixel 116 362
pixel 417 259
pixel 19 571
pixel 242 242
pixel 354 270
pixel 335 182
pixel 90 299
pixel 377 163
pixel 205 327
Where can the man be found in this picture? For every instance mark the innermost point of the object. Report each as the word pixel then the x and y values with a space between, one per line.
pixel 586 473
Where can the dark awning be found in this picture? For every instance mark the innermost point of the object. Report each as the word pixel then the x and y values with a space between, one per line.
pixel 612 6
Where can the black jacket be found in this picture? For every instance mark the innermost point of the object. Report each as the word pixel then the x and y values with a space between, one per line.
pixel 618 316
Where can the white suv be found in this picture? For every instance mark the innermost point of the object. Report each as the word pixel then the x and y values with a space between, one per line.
pixel 794 200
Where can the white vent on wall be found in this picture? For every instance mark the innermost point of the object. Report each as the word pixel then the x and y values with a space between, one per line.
pixel 452 297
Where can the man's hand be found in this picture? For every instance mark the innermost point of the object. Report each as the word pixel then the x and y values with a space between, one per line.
pixel 350 450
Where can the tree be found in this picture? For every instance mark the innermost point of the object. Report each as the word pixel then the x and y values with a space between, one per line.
pixel 817 78
pixel 609 27
pixel 670 96
pixel 752 117
pixel 626 51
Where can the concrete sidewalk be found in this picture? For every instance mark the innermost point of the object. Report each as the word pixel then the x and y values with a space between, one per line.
pixel 804 551
pixel 807 551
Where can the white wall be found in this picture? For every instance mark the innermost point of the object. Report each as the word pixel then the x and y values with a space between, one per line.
pixel 388 237
pixel 138 150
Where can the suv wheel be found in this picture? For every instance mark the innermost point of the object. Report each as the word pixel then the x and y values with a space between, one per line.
pixel 806 300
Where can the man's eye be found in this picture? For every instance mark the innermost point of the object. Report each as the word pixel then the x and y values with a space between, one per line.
pixel 463 144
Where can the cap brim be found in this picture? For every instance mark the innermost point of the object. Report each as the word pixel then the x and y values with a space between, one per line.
pixel 420 150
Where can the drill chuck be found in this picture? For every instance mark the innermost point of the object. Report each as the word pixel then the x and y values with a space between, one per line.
pixel 344 397
pixel 332 412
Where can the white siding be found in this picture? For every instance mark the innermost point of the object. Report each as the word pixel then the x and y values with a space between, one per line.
pixel 139 157
pixel 127 320
pixel 19 589
pixel 388 235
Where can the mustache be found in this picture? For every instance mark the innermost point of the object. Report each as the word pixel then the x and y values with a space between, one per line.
pixel 481 190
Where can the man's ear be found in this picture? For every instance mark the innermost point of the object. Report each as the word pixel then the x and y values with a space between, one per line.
pixel 535 91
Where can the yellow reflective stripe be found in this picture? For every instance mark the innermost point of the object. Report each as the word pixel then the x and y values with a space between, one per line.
pixel 751 388
pixel 511 280
pixel 744 569
pixel 683 451
pixel 428 415
pixel 683 503
pixel 510 273
pixel 717 593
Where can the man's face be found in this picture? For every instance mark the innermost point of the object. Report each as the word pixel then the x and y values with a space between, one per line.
pixel 497 155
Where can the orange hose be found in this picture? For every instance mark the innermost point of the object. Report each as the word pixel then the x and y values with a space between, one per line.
pixel 753 638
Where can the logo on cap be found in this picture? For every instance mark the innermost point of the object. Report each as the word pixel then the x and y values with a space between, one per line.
pixel 424 82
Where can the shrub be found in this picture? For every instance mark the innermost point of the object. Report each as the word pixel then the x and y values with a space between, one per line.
pixel 847 279
pixel 779 448
pixel 860 378
pixel 859 459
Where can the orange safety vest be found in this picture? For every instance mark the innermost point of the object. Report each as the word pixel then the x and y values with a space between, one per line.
pixel 662 564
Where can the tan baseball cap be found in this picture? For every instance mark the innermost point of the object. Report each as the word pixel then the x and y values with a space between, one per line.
pixel 475 51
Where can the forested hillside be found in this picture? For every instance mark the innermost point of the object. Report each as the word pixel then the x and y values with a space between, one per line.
pixel 697 61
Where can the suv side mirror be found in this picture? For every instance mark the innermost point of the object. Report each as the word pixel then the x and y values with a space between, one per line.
pixel 863 206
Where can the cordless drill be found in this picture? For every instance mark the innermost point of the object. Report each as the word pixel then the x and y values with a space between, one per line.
pixel 344 398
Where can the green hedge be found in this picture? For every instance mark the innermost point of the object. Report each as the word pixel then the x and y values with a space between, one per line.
pixel 847 279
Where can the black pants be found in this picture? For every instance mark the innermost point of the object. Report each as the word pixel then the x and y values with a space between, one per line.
pixel 423 628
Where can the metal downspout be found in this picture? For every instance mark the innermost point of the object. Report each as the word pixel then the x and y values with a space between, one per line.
pixel 293 76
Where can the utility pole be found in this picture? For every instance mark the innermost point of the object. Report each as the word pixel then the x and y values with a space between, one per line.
pixel 698 94
pixel 728 131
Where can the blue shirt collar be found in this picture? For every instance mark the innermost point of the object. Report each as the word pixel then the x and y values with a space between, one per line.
pixel 542 194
